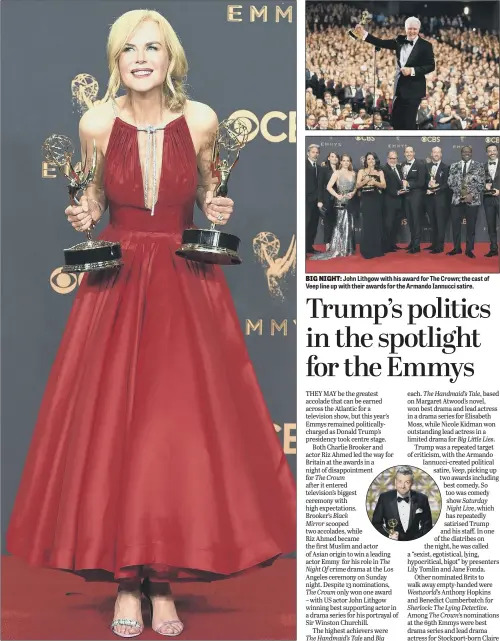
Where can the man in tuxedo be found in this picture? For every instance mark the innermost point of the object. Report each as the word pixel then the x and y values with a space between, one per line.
pixel 350 92
pixel 491 199
pixel 414 59
pixel 403 514
pixel 414 179
pixel 312 195
pixel 437 200
pixel 466 181
pixel 393 201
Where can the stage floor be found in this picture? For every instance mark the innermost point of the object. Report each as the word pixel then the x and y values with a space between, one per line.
pixel 49 604
pixel 403 263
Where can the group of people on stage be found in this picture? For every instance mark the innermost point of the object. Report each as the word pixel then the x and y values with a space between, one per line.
pixel 396 191
pixel 436 75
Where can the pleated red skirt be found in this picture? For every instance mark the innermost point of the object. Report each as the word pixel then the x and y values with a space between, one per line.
pixel 154 452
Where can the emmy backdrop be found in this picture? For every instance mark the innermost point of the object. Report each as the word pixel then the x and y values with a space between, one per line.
pixel 358 146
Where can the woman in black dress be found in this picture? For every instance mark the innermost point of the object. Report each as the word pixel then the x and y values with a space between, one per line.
pixel 328 167
pixel 370 182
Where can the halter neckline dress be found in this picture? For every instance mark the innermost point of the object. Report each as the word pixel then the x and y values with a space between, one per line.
pixel 154 452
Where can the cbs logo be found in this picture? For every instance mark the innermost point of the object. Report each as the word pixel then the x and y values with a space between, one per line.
pixel 431 139
pixel 492 139
pixel 366 138
pixel 64 283
pixel 278 133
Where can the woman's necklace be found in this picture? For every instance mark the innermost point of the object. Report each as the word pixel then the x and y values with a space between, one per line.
pixel 150 150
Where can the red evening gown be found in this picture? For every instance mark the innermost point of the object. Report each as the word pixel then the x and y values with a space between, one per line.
pixel 154 452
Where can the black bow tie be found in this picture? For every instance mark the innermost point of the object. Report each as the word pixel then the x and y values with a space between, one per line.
pixel 434 164
pixel 407 163
pixel 408 42
pixel 406 499
pixel 492 162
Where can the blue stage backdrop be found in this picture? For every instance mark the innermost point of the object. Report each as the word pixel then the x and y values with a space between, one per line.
pixel 242 63
pixel 357 146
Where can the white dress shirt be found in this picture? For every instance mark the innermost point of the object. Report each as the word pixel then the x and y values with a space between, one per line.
pixel 396 171
pixel 405 54
pixel 404 511
pixel 492 169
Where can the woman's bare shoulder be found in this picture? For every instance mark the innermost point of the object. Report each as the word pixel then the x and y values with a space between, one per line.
pixel 97 121
pixel 200 116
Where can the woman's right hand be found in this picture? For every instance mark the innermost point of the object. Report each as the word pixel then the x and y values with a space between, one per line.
pixel 85 215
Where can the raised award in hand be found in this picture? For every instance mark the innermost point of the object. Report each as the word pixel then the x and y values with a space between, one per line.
pixel 357 32
pixel 211 245
pixel 91 255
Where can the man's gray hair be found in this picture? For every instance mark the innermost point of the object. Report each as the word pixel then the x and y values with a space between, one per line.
pixel 404 470
pixel 312 146
pixel 413 20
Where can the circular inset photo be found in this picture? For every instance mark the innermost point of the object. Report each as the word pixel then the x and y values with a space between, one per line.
pixel 403 503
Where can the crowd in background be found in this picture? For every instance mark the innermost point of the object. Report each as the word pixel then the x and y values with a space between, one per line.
pixel 462 93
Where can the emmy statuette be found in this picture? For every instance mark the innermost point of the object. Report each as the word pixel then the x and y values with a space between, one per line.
pixel 433 185
pixel 91 255
pixel 488 186
pixel 393 524
pixel 211 245
pixel 404 190
pixel 464 188
pixel 366 16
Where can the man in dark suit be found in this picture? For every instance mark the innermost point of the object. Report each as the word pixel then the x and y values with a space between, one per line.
pixel 466 181
pixel 414 179
pixel 437 200
pixel 403 514
pixel 312 195
pixel 414 59
pixel 378 123
pixel 491 200
pixel 393 201
pixel 350 91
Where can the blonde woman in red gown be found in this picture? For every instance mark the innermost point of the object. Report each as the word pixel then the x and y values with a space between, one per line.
pixel 154 458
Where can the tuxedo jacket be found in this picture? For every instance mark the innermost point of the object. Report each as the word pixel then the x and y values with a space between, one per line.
pixel 420 515
pixel 312 182
pixel 496 179
pixel 416 177
pixel 441 177
pixel 421 58
pixel 393 182
pixel 475 182
pixel 324 176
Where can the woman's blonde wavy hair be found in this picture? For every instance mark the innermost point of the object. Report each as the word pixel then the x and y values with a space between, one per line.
pixel 120 33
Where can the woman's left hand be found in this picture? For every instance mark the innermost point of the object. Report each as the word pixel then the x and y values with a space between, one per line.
pixel 218 209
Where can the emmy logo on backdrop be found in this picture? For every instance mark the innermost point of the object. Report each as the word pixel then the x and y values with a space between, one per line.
pixel 91 255
pixel 266 247
pixel 211 245
pixel 366 16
